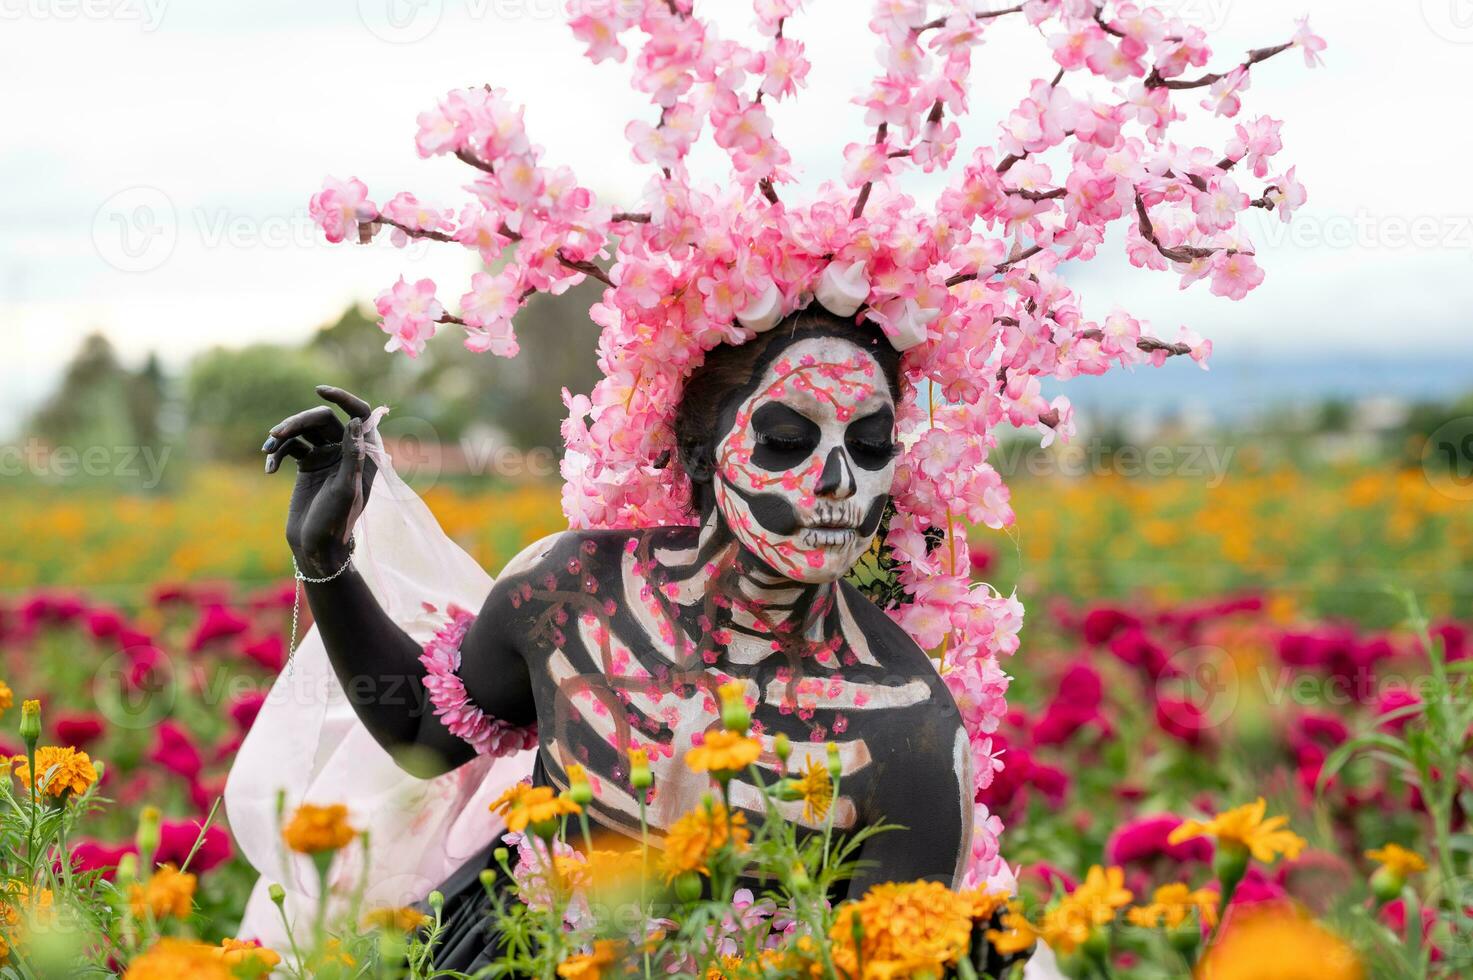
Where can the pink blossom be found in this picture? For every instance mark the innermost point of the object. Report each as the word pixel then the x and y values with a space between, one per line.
pixel 410 314
pixel 784 68
pixel 405 209
pixel 340 207
pixel 1310 43
pixel 1287 195
pixel 488 309
pixel 1234 274
pixel 1255 143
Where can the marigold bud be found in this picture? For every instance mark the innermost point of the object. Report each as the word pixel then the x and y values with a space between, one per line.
pixel 734 714
pixel 276 893
pixel 1387 884
pixel 688 886
pixel 30 722
pixel 149 820
pixel 782 746
pixel 580 791
pixel 640 776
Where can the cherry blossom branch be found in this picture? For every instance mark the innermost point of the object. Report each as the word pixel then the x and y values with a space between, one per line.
pixel 1154 80
pixel 1003 266
pixel 1180 253
pixel 979 15
pixel 466 156
pixel 1053 195
pixel 864 192
pixel 1146 345
pixel 587 268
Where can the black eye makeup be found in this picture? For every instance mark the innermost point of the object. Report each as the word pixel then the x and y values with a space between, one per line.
pixel 784 437
pixel 871 440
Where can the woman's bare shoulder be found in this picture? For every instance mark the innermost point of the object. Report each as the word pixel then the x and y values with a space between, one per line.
pixel 556 549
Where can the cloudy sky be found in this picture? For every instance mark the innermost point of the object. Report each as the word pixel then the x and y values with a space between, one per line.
pixel 158 155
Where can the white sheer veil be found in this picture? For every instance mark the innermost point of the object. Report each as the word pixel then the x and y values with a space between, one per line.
pixel 308 746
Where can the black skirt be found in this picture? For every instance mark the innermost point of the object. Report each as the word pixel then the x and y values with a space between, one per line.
pixel 468 940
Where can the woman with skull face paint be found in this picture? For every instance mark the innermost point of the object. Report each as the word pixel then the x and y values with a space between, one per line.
pixel 608 640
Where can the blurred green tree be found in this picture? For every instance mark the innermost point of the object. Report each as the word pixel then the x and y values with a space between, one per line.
pixel 232 396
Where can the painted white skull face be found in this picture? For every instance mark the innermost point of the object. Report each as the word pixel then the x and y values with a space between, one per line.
pixel 805 471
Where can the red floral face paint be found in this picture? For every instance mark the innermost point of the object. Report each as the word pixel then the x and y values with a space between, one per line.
pixel 809 461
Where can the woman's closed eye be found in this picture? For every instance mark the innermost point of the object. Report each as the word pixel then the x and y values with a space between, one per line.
pixel 871 439
pixel 783 436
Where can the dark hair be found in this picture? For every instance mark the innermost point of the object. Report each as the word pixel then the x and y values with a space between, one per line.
pixel 730 373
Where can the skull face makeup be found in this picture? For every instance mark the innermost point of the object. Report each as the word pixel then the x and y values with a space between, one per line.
pixel 804 473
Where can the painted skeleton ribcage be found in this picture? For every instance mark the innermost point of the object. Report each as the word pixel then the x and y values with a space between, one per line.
pixel 640 669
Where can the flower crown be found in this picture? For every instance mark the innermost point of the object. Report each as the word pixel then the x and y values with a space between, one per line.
pixel 969 288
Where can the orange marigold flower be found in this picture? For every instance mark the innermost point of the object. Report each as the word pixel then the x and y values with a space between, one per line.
pixel 590 965
pixel 817 789
pixel 984 904
pixel 59 770
pixel 919 927
pixel 176 959
pixel 316 829
pixel 168 892
pixel 523 805
pixel 1245 827
pixel 7 698
pixel 1171 905
pixel 403 919
pixel 1101 895
pixel 1278 943
pixel 1016 934
pixel 723 752
pixel 1398 860
pixel 235 952
pixel 696 837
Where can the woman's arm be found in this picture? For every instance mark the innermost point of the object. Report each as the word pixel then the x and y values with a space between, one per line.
pixel 375 661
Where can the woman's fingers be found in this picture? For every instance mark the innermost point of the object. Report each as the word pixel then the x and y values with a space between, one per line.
pixel 347 482
pixel 318 426
pixel 356 407
pixel 296 447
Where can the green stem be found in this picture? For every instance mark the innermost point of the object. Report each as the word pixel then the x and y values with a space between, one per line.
pixel 644 877
pixel 31 829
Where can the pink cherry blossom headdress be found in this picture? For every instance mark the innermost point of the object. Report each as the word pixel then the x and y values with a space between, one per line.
pixel 970 287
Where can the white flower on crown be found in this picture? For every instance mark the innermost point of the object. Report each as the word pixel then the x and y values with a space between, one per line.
pixel 843 288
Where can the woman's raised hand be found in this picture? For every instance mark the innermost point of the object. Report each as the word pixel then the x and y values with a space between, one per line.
pixel 333 474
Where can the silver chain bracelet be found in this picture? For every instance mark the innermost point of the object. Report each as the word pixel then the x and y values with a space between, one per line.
pixel 297 598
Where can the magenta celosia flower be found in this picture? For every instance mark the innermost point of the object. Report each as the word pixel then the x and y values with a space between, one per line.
pixel 177 837
pixel 218 622
pixel 1395 702
pixel 103 623
pixel 1183 720
pixel 1103 622
pixel 243 710
pixel 1146 839
pixel 78 729
pixel 175 750
pixel 269 651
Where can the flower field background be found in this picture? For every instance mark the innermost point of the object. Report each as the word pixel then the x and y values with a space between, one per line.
pixel 1188 649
